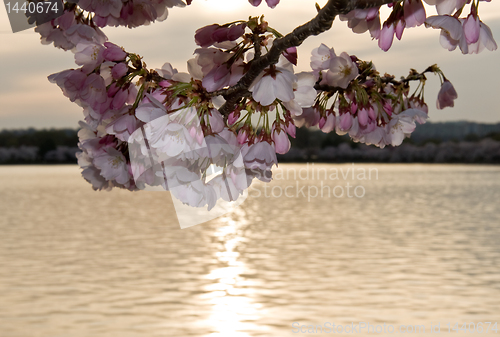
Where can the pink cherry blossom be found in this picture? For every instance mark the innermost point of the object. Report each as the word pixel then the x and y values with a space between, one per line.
pixel 259 158
pixel 208 59
pixel 224 33
pixel 167 71
pixel 271 87
pixel 346 122
pixel 221 75
pixel 309 117
pixel 291 129
pixel 70 81
pixel 342 71
pixel 281 140
pixel 355 130
pixel 329 124
pixel 98 182
pixel 320 58
pixel 446 95
pixel 291 55
pixel 471 29
pixel 233 117
pixel 65 32
pixel 361 20
pixel 486 40
pixel 102 8
pixel 208 35
pixel 123 126
pixel 124 94
pixel 386 36
pixel 235 32
pixel 463 32
pixel 113 52
pixel 242 136
pixel 255 2
pixel 272 3
pixel 452 33
pixel 304 92
pixel 80 33
pixel 105 71
pixel 216 121
pixel 293 107
pixel 89 55
pixel 363 116
pixel 402 125
pixel 136 13
pixel 170 139
pixel 237 72
pixel 187 187
pixel 94 90
pixel 119 99
pixel 119 70
pixel 376 137
pixel 445 7
pixel 400 26
pixel 150 107
pixel 203 36
pixel 113 165
pixel 217 78
pixel 414 13
pixel 50 33
pixel 225 187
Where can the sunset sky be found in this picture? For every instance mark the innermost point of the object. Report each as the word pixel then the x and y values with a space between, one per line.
pixel 27 99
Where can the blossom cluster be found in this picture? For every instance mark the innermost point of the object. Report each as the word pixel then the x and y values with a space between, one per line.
pixel 202 135
pixel 469 33
pixel 129 13
pixel 185 130
pixel 103 87
pixel 69 29
pixel 358 101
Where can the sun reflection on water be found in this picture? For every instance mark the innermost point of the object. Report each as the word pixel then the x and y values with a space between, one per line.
pixel 233 310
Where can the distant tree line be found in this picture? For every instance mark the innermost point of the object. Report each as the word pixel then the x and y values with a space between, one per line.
pixel 436 133
pixel 33 146
pixel 452 142
pixel 456 142
pixel 486 151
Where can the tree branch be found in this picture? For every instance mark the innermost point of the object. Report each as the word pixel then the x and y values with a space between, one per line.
pixel 321 23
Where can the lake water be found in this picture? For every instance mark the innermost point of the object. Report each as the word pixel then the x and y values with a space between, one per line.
pixel 417 245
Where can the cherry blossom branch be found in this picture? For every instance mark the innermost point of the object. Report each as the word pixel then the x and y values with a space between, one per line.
pixel 319 24
pixel 327 88
pixel 256 43
pixel 413 76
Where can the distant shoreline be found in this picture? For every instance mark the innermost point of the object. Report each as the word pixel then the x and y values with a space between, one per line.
pixel 451 142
